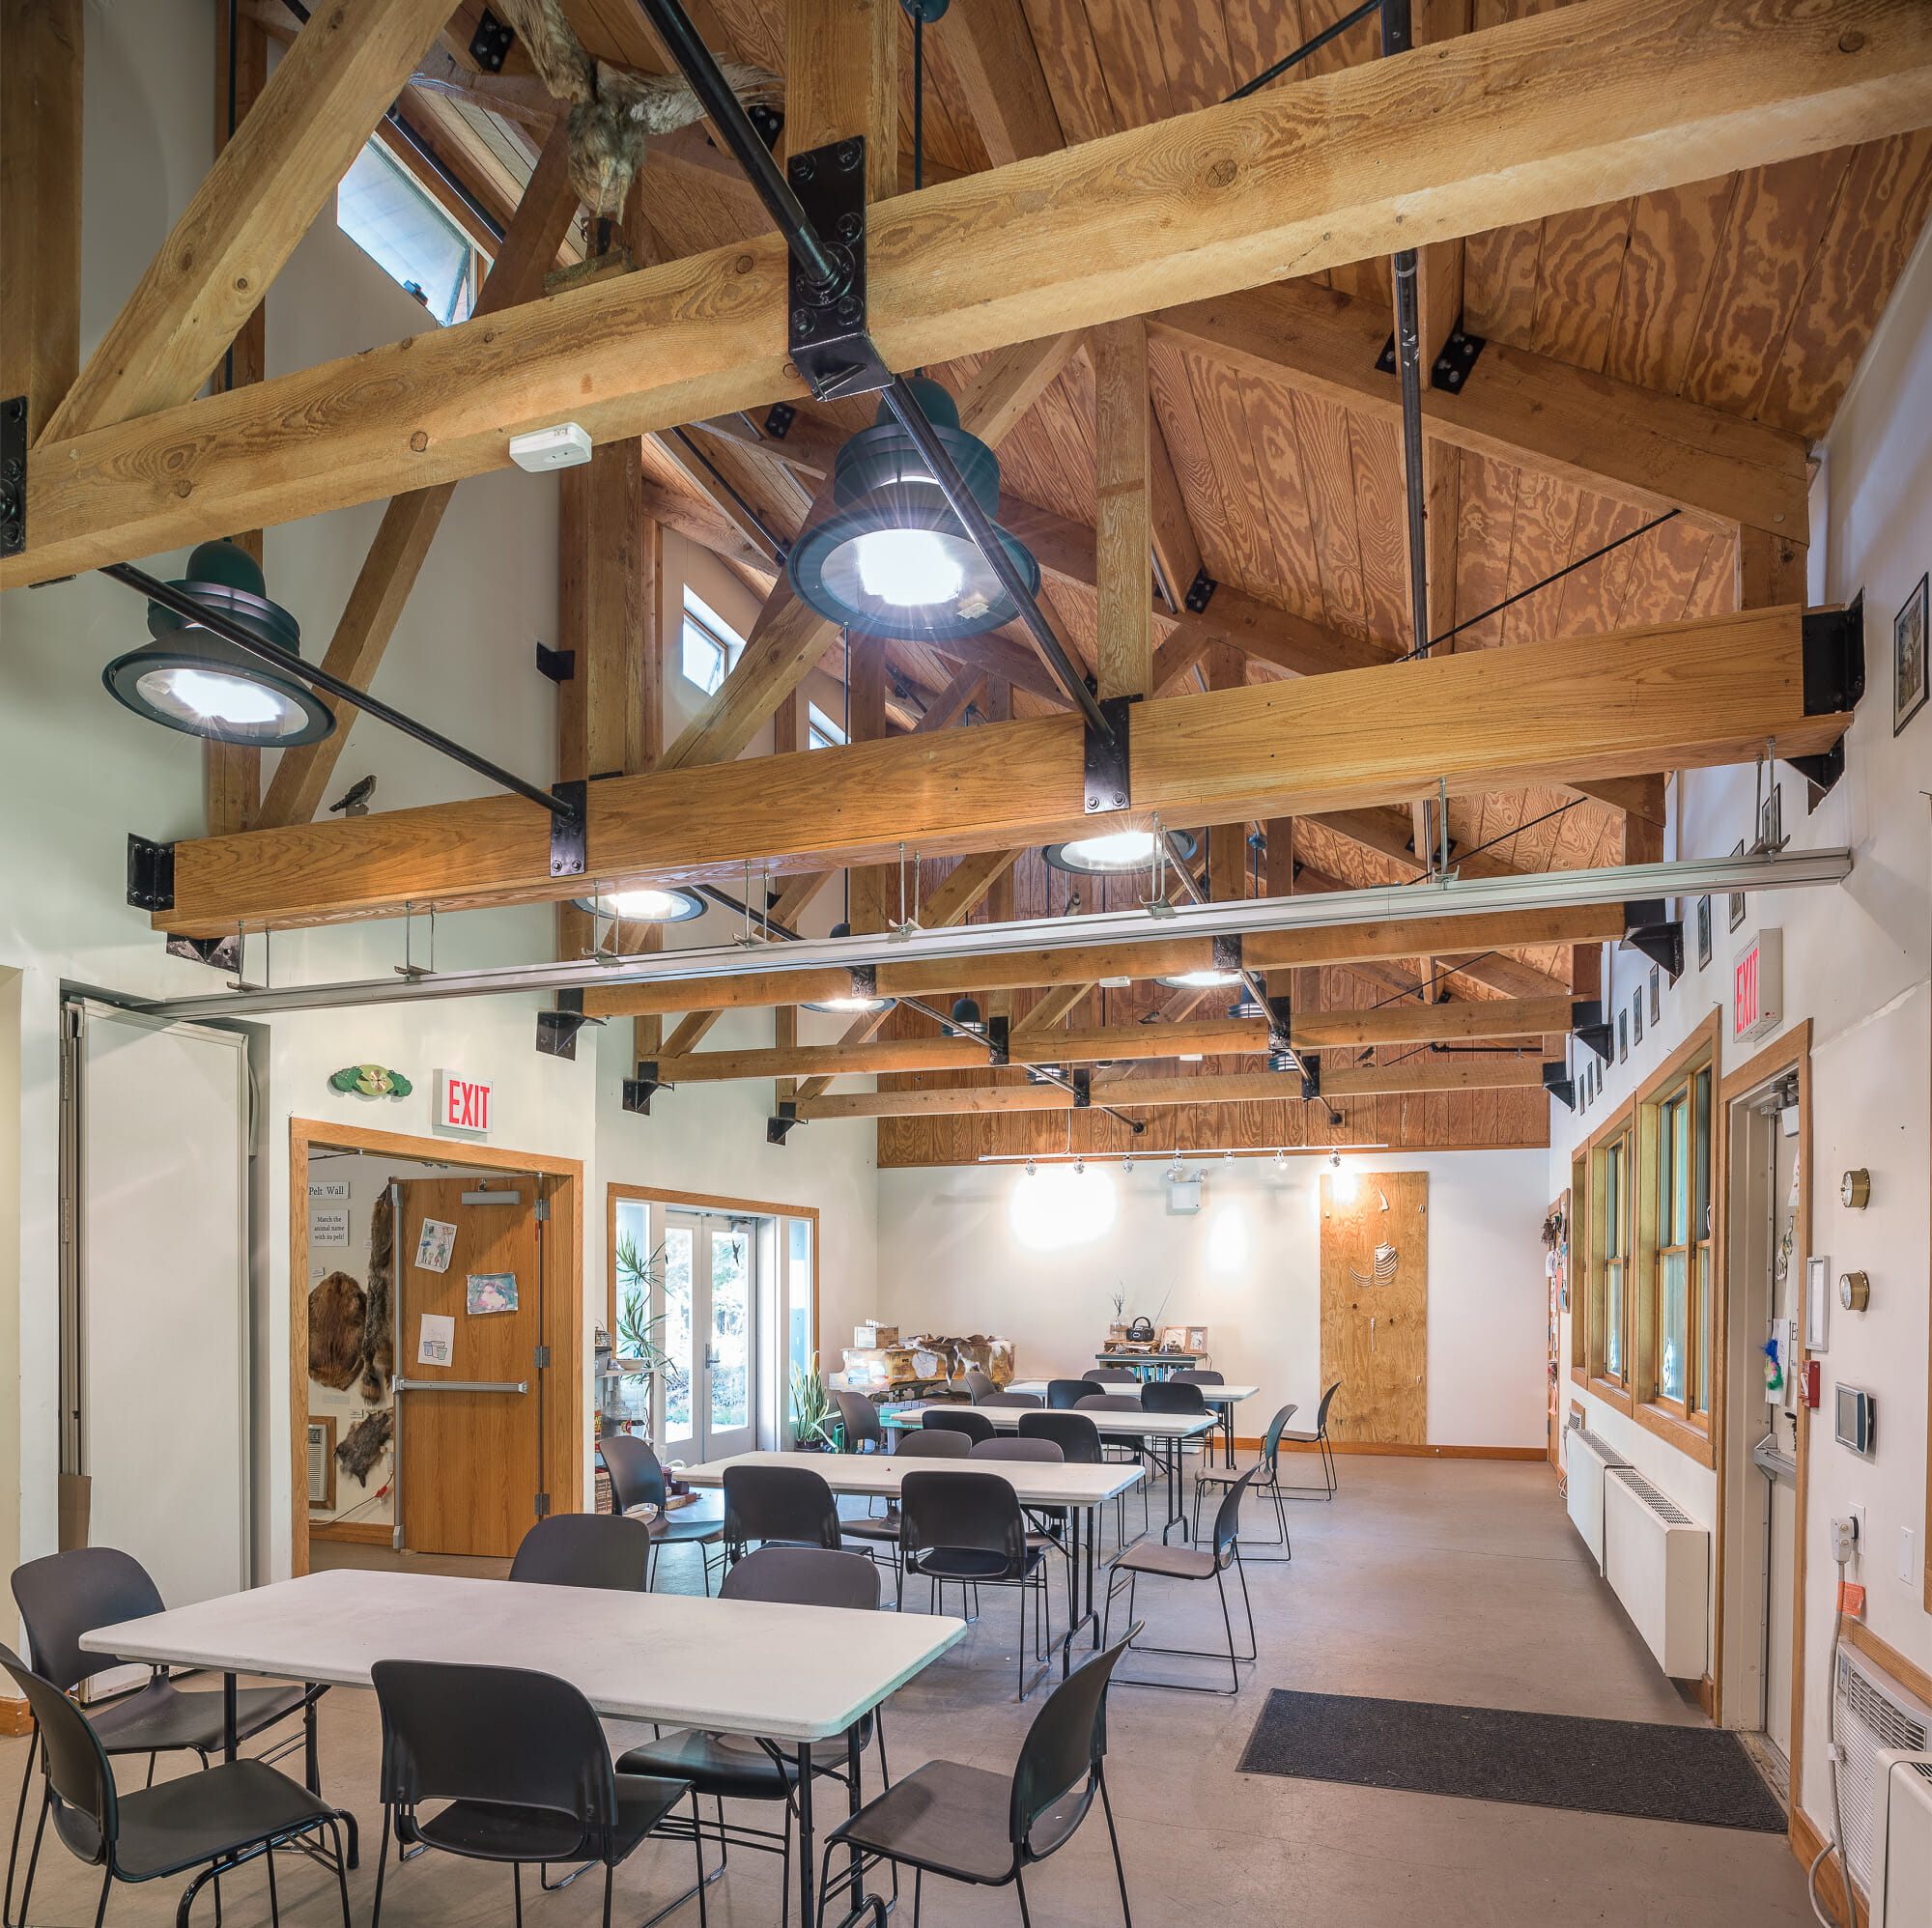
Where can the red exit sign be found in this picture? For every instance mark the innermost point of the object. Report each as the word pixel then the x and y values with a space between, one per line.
pixel 461 1105
pixel 1757 986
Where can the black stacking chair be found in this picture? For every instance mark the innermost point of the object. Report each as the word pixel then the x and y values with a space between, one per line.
pixel 979 1384
pixel 1190 1563
pixel 970 1824
pixel 1197 1379
pixel 1063 1395
pixel 782 1506
pixel 216 1821
pixel 638 1479
pixel 1179 1396
pixel 1266 1480
pixel 1079 1443
pixel 1111 1375
pixel 585 1550
pixel 967 1528
pixel 1221 1413
pixel 1012 1402
pixel 524 1765
pixel 1121 1446
pixel 67 1595
pixel 1332 1478
pixel 975 1426
pixel 860 1418
pixel 1042 1452
pixel 935 1443
pixel 1047 1524
pixel 739 1767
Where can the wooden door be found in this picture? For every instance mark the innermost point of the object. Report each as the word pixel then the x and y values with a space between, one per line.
pixel 1375 1306
pixel 471 1461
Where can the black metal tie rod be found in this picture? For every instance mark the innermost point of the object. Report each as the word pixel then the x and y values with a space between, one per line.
pixel 1398 38
pixel 285 660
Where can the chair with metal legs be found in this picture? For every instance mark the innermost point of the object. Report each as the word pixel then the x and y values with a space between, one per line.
pixel 219 1820
pixel 779 1506
pixel 1047 1524
pixel 1079 1441
pixel 975 1426
pixel 1110 1376
pixel 922 1442
pixel 734 1767
pixel 1012 1402
pixel 65 1595
pixel 585 1550
pixel 1191 1563
pixel 859 1419
pixel 1063 1395
pixel 1116 1447
pixel 638 1479
pixel 524 1765
pixel 1267 1484
pixel 972 1824
pixel 979 1385
pixel 1332 1478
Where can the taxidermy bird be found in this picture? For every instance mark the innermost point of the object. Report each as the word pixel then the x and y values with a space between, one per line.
pixel 354 802
pixel 612 110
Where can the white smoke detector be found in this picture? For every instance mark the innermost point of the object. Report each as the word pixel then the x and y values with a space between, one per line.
pixel 544 449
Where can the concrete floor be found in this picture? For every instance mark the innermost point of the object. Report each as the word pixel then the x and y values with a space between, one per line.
pixel 1454 1580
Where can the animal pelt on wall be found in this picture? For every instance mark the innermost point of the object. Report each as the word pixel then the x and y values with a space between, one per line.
pixel 378 1336
pixel 337 1317
pixel 367 1440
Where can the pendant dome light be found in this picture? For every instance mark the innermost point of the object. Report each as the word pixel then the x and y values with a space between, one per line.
pixel 654 903
pixel 191 680
pixel 892 561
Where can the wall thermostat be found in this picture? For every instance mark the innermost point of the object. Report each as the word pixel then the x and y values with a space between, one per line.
pixel 1856 1420
pixel 1855 1189
pixel 544 449
pixel 1854 1291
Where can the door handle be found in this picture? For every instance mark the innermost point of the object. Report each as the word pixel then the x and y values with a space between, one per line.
pixel 461 1385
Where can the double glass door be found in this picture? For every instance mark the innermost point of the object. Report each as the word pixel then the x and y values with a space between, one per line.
pixel 710 1304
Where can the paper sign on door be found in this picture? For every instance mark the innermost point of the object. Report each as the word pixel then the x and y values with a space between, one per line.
pixel 438 1340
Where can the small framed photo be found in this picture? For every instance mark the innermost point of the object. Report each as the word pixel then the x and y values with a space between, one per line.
pixel 1656 994
pixel 1817 1304
pixel 1908 659
pixel 1636 1016
pixel 1703 931
pixel 1737 897
pixel 1623 1036
pixel 1771 820
pixel 1174 1339
pixel 322 1462
pixel 1197 1339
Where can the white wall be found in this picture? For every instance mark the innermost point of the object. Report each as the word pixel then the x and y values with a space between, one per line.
pixel 1856 964
pixel 960 1251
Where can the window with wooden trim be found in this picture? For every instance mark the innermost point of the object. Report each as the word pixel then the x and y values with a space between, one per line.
pixel 1679 1311
pixel 1578 1234
pixel 1610 1241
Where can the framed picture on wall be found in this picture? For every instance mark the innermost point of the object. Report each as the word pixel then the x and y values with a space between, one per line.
pixel 1636 1016
pixel 1623 1036
pixel 1197 1339
pixel 1908 659
pixel 1737 897
pixel 1656 994
pixel 1703 931
pixel 322 1464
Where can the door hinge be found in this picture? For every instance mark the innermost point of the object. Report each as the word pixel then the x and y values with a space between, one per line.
pixel 543 1505
pixel 543 1355
pixel 543 1210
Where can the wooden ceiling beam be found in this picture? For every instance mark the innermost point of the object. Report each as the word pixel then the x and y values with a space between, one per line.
pixel 699 523
pixel 1601 100
pixel 1405 1023
pixel 1123 528
pixel 1685 695
pixel 321 105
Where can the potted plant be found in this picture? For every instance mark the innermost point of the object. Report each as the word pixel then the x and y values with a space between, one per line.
pixel 638 1356
pixel 814 1419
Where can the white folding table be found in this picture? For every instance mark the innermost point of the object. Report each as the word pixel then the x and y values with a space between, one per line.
pixel 795 1674
pixel 1225 1399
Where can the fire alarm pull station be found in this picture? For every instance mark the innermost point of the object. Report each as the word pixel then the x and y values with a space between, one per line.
pixel 1808 1384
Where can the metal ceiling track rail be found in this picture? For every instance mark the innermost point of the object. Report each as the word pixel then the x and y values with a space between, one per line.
pixel 1633 885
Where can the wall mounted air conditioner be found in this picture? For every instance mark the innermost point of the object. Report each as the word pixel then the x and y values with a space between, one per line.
pixel 1588 1456
pixel 1887 1808
pixel 1658 1560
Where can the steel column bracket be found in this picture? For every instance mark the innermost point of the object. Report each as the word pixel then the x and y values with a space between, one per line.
pixel 569 836
pixel 1835 680
pixel 1225 954
pixel 637 1090
pixel 1200 593
pixel 999 1033
pixel 1662 942
pixel 1108 772
pixel 778 1128
pixel 556 1030
pixel 559 664
pixel 1081 1081
pixel 825 333
pixel 1450 369
pixel 865 980
pixel 778 420
pixel 1587 1026
pixel 491 43
pixel 1559 1082
pixel 222 953
pixel 13 473
pixel 151 874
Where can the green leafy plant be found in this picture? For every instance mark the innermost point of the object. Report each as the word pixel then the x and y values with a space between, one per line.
pixel 637 1329
pixel 814 1419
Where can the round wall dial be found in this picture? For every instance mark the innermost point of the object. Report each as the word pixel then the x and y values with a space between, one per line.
pixel 1854 1291
pixel 1855 1189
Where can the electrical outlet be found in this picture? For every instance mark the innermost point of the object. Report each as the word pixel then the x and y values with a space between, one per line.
pixel 1856 1516
pixel 1844 1537
pixel 1907 1565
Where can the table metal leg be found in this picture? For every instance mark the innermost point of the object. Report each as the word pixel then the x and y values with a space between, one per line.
pixel 227 1717
pixel 1176 1515
pixel 805 1913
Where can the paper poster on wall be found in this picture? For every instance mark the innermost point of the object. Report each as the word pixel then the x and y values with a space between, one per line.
pixel 335 1189
pixel 329 1224
pixel 437 1340
pixel 436 1241
pixel 490 1292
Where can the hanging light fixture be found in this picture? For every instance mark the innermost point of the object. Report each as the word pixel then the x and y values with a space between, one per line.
pixel 650 904
pixel 894 560
pixel 1115 853
pixel 966 1016
pixel 193 681
pixel 1209 979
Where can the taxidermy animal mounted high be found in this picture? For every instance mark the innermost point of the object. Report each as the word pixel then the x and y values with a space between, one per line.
pixel 612 110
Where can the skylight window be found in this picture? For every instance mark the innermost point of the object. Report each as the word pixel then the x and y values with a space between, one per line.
pixel 710 645
pixel 382 208
pixel 820 731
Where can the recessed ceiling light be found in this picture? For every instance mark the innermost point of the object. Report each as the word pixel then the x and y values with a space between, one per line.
pixel 1114 852
pixel 1201 981
pixel 649 905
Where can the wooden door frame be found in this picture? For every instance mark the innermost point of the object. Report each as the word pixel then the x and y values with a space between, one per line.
pixel 564 1442
pixel 1553 1392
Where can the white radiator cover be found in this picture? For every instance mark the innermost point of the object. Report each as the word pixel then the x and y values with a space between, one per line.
pixel 1877 1720
pixel 1901 1889
pixel 1658 1560
pixel 1588 1455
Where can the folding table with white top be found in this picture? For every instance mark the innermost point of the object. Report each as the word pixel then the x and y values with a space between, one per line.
pixel 1224 1399
pixel 787 1674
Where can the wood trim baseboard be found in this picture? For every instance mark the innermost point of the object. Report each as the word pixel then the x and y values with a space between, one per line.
pixel 1404 1452
pixel 16 1717
pixel 1806 1840
pixel 357 1532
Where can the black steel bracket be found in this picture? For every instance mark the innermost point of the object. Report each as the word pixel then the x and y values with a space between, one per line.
pixel 826 330
pixel 1588 1027
pixel 778 420
pixel 999 1034
pixel 1835 680
pixel 1450 369
pixel 1082 1082
pixel 1108 772
pixel 13 475
pixel 1200 593
pixel 151 874
pixel 221 953
pixel 1311 1078
pixel 865 980
pixel 1225 952
pixel 1559 1082
pixel 780 1128
pixel 569 836
pixel 768 122
pixel 637 1090
pixel 556 1030
pixel 1662 943
pixel 491 43
pixel 559 664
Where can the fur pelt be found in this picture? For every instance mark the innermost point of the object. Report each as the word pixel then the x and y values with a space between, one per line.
pixel 379 1335
pixel 992 1356
pixel 367 1440
pixel 337 1311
